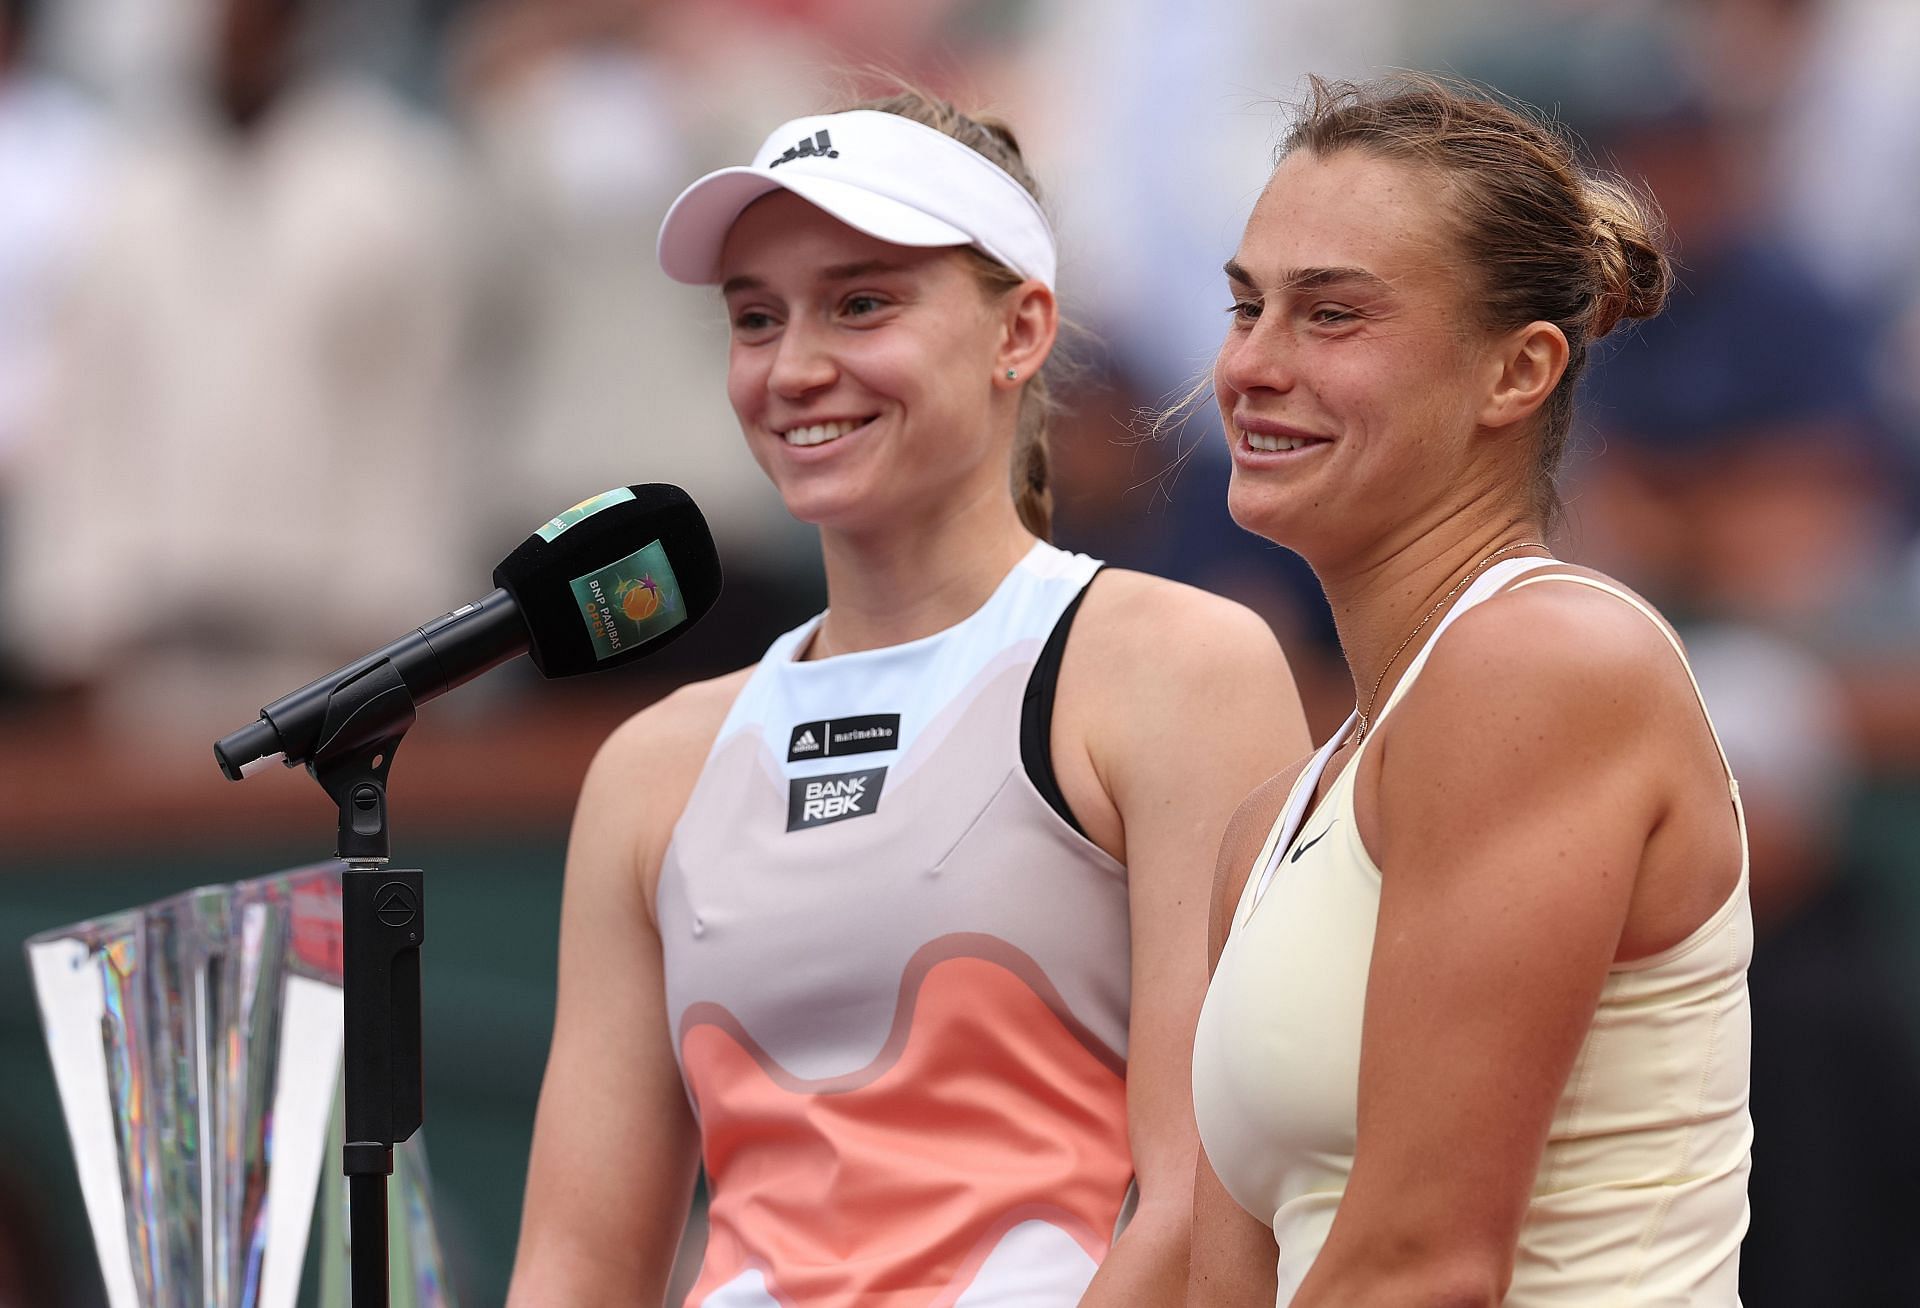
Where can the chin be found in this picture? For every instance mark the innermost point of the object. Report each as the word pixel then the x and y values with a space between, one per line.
pixel 814 510
pixel 1263 512
pixel 831 507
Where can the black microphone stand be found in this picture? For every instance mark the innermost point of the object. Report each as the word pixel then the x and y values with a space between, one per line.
pixel 382 922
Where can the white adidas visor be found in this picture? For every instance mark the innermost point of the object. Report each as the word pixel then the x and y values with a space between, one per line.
pixel 890 177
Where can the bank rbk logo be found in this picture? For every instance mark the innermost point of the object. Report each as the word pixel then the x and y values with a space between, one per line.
pixel 818 146
pixel 816 801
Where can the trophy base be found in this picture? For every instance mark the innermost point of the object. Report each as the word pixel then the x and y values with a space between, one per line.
pixel 196 1046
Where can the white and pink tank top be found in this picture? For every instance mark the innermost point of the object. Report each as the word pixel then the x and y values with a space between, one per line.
pixel 898 975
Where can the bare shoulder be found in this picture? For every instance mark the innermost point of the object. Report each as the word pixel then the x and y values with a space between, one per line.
pixel 644 772
pixel 1173 703
pixel 1144 625
pixel 1592 656
pixel 1168 676
pixel 674 732
pixel 1537 691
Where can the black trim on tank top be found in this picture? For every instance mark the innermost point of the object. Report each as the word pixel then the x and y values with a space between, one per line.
pixel 1036 713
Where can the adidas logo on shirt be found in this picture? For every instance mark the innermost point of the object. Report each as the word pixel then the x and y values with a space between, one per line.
pixel 831 737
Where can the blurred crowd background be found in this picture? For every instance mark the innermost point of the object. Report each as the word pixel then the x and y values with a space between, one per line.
pixel 309 311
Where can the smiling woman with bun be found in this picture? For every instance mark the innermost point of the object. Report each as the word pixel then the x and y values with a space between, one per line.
pixel 899 931
pixel 1477 1031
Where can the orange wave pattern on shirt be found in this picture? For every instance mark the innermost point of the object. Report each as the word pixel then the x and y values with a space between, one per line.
pixel 890 1193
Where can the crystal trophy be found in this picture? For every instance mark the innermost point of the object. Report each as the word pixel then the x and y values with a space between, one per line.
pixel 196 1043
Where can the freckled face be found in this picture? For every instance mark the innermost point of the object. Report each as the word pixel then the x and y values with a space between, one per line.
pixel 1351 374
pixel 860 371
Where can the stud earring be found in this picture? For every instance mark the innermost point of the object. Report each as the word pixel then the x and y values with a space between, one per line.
pixel 1011 374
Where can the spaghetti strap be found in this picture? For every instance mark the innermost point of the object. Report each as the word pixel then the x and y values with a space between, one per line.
pixel 1485 587
pixel 1660 624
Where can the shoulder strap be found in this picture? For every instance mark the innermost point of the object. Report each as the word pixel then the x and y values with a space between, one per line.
pixel 1659 623
pixel 1484 587
pixel 1036 713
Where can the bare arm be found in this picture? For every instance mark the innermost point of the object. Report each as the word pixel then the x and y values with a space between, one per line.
pixel 1235 1261
pixel 615 1149
pixel 1509 830
pixel 1181 716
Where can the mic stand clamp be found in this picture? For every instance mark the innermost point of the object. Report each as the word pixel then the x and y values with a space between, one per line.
pixel 382 924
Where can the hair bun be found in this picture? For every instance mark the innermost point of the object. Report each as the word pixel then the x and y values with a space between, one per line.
pixel 1629 245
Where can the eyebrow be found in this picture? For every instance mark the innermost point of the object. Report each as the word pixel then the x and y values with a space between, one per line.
pixel 839 272
pixel 1311 279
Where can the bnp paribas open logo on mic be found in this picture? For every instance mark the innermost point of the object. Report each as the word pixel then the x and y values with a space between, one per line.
pixel 630 602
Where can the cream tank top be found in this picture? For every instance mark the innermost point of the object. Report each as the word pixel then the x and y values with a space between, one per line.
pixel 899 977
pixel 1641 1197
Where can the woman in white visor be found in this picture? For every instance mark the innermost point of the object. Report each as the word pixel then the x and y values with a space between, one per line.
pixel 900 931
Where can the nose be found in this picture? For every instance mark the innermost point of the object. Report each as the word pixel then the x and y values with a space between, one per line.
pixel 802 363
pixel 1256 360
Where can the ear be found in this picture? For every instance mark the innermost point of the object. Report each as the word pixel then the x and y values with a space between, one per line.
pixel 1029 323
pixel 1528 363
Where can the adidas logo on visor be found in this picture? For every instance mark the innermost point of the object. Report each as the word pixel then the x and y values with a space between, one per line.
pixel 898 181
pixel 817 146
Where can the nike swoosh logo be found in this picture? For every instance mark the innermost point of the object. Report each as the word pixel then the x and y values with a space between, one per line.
pixel 1301 849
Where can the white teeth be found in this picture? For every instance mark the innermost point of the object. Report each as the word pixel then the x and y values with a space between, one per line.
pixel 1273 443
pixel 819 433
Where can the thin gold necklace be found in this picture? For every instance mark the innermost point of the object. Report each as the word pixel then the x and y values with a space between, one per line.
pixel 1366 714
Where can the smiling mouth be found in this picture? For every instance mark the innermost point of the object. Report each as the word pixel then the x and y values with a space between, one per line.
pixel 1268 443
pixel 1274 443
pixel 820 433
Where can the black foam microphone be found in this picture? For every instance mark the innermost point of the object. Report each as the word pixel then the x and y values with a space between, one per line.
pixel 609 581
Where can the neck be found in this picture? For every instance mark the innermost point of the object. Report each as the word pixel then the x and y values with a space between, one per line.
pixel 890 585
pixel 1379 602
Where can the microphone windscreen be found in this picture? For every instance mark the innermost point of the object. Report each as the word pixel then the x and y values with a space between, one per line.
pixel 613 579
